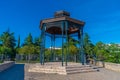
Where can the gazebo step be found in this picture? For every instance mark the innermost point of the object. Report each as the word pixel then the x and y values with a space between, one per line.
pixel 58 69
pixel 80 69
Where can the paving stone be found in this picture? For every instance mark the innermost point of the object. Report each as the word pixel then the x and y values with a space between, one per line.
pixel 103 74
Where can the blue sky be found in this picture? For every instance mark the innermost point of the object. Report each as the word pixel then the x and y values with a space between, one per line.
pixel 102 17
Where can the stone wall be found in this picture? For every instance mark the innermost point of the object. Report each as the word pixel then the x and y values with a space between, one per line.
pixel 45 69
pixel 111 66
pixel 6 65
pixel 26 73
pixel 37 68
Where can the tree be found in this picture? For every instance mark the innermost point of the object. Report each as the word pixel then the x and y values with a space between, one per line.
pixel 29 40
pixel 7 40
pixel 1 54
pixel 37 41
pixel 100 51
pixel 18 44
pixel 114 53
pixel 30 48
pixel 5 52
pixel 72 45
pixel 27 50
pixel 88 48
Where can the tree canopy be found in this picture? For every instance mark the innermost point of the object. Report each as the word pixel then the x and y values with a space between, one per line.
pixel 31 46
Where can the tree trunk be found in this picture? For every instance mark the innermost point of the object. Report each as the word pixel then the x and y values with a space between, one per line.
pixel 74 57
pixel 29 58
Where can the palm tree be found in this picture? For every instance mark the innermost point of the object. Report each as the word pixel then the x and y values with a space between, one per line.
pixel 72 46
pixel 88 48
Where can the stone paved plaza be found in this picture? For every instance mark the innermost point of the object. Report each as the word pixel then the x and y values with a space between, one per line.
pixel 103 74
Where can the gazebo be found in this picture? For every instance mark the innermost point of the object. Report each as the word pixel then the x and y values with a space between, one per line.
pixel 62 25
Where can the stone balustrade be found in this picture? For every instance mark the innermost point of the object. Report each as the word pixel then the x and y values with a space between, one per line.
pixel 6 65
pixel 111 66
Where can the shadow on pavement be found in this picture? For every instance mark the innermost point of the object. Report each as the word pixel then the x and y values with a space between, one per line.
pixel 16 72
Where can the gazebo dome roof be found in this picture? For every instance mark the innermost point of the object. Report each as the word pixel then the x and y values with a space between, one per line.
pixel 53 25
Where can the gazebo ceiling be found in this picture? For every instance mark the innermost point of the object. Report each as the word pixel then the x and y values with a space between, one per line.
pixel 58 30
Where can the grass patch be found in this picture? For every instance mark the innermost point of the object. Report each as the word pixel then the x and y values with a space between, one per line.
pixel 1 62
pixel 23 61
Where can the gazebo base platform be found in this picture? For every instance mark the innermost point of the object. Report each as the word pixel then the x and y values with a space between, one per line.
pixel 56 68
